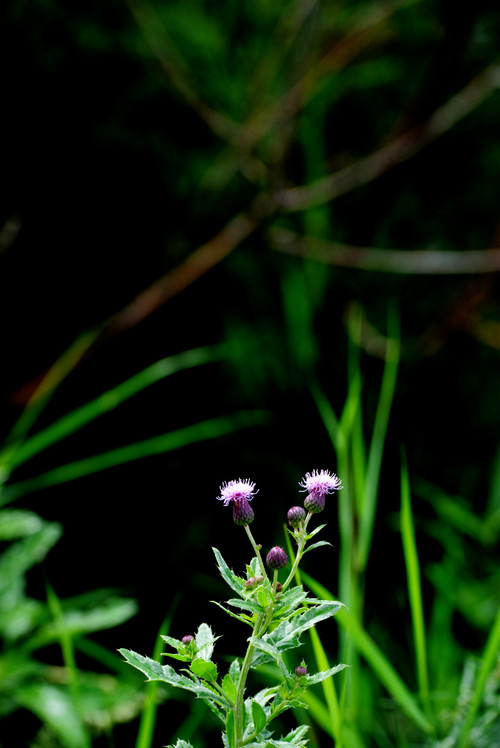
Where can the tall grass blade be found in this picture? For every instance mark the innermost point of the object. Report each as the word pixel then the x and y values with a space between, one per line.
pixel 148 717
pixel 68 652
pixel 109 400
pixel 488 662
pixel 43 393
pixel 210 429
pixel 414 587
pixel 367 517
pixel 373 655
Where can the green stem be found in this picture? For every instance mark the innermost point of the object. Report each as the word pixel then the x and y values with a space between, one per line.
pixel 258 630
pixel 301 542
pixel 256 549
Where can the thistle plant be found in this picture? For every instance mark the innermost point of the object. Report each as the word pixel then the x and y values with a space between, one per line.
pixel 277 612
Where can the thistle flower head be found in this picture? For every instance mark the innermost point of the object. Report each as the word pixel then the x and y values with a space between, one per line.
pixel 277 558
pixel 318 484
pixel 301 670
pixel 236 491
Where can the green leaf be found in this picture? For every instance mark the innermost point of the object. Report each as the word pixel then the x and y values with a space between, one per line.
pixel 181 744
pixel 229 688
pixel 236 583
pixel 205 670
pixel 205 641
pixel 264 597
pixel 23 554
pixel 17 523
pixel 258 716
pixel 324 674
pixel 314 532
pixel 246 605
pixel 243 618
pixel 235 670
pixel 318 545
pixel 55 707
pixel 155 671
pixel 271 652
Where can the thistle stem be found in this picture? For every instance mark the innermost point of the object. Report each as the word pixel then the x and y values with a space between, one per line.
pixel 256 549
pixel 301 543
pixel 258 630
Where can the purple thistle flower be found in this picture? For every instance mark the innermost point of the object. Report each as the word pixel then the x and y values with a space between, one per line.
pixel 235 490
pixel 300 670
pixel 318 484
pixel 239 493
pixel 187 639
pixel 277 558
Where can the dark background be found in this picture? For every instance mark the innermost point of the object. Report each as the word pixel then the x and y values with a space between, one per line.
pixel 107 184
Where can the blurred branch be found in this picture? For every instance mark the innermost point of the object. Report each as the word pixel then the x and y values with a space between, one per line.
pixel 397 151
pixel 416 262
pixel 280 114
pixel 156 37
pixel 196 264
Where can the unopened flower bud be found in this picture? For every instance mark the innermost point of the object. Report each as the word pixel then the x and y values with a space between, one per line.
pixel 296 515
pixel 300 670
pixel 187 639
pixel 277 558
pixel 254 581
pixel 315 502
pixel 243 513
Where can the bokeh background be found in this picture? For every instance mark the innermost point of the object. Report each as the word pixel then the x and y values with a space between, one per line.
pixel 279 182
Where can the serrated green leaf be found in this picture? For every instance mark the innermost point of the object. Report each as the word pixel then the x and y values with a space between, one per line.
pixel 306 620
pixel 272 653
pixel 181 744
pixel 235 670
pixel 235 582
pixel 286 635
pixel 243 618
pixel 246 605
pixel 229 688
pixel 155 671
pixel 204 669
pixel 324 674
pixel 205 640
pixel 258 716
pixel 264 597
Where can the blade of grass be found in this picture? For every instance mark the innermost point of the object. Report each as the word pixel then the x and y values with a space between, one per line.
pixel 367 516
pixel 111 399
pixel 329 690
pixel 210 429
pixel 374 656
pixel 414 588
pixel 148 716
pixel 54 376
pixel 68 652
pixel 488 662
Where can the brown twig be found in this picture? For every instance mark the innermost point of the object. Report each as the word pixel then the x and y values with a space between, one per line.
pixel 414 262
pixel 401 149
